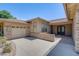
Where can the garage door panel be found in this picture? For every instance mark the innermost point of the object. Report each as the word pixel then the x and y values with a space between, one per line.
pixel 18 32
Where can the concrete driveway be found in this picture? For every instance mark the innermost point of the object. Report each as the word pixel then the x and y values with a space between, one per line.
pixel 30 46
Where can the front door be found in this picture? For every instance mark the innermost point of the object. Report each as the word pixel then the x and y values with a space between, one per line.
pixel 61 30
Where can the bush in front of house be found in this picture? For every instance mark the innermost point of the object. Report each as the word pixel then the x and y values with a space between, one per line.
pixel 5 45
pixel 7 48
pixel 3 40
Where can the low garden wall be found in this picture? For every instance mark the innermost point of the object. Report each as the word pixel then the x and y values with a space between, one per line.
pixel 45 36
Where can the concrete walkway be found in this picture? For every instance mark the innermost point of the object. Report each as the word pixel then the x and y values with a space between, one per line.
pixel 64 48
pixel 30 46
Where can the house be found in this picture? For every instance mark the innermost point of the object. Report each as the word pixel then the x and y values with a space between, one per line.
pixel 12 28
pixel 69 26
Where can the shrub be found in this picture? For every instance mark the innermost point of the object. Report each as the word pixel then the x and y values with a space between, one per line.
pixel 7 48
pixel 5 44
pixel 3 40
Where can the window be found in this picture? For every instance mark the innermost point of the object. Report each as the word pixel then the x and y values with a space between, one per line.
pixel 62 29
pixel 44 29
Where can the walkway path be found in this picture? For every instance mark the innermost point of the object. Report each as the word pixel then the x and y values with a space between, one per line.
pixel 64 48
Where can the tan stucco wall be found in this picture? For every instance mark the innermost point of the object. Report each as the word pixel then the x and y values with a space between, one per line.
pixel 68 29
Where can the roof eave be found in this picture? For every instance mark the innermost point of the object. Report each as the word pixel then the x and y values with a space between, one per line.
pixel 70 9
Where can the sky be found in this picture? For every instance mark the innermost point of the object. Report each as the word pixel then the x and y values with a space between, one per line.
pixel 26 11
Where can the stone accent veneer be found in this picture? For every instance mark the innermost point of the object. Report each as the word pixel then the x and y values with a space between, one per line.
pixel 44 36
pixel 7 30
pixel 76 30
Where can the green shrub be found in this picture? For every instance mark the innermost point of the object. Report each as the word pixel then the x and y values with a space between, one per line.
pixel 7 48
pixel 6 45
pixel 3 40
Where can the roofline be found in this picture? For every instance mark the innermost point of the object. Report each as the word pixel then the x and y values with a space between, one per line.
pixel 69 10
pixel 58 19
pixel 12 20
pixel 19 21
pixel 37 18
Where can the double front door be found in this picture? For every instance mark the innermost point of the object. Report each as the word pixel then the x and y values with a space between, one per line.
pixel 61 30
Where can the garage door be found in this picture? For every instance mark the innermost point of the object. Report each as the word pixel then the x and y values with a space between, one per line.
pixel 18 32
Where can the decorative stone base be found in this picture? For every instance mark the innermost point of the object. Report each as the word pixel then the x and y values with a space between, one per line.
pixel 44 36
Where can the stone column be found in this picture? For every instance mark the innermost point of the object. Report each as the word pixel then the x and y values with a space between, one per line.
pixel 76 30
pixel 8 30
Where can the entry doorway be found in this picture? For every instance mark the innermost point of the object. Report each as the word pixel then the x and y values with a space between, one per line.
pixel 61 30
pixel 51 29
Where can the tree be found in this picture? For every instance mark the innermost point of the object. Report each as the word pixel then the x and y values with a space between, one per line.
pixel 6 14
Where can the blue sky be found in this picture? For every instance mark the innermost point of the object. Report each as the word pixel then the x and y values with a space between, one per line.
pixel 25 11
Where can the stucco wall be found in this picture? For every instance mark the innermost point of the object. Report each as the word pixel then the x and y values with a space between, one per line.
pixel 68 29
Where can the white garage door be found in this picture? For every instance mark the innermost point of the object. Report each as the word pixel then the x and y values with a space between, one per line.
pixel 18 32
